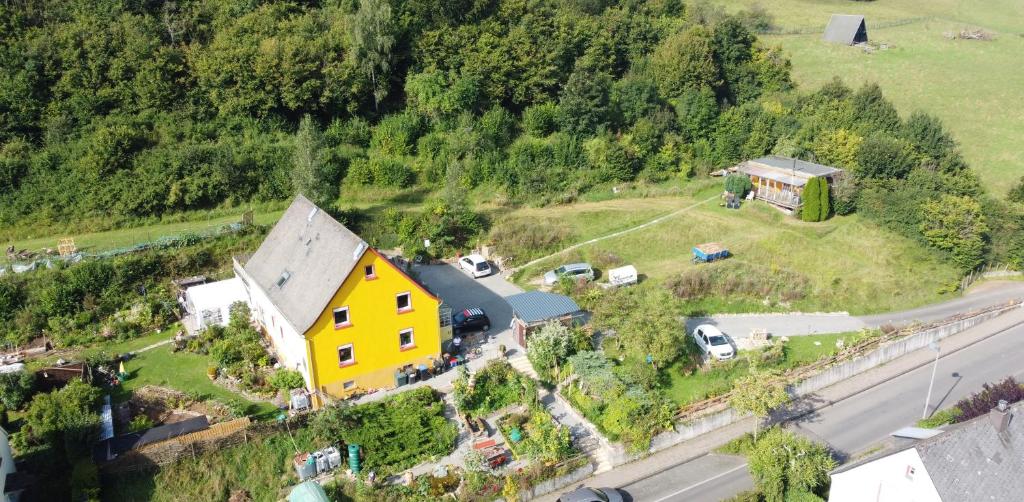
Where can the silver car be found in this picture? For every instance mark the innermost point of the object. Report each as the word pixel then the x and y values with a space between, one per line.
pixel 573 271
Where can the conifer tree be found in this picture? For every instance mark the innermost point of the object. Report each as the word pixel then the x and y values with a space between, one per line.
pixel 812 201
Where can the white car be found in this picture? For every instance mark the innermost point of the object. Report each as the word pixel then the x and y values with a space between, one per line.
pixel 476 265
pixel 713 342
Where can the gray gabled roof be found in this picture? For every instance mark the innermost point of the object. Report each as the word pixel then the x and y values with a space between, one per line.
pixel 303 261
pixel 971 461
pixel 974 461
pixel 536 306
pixel 800 166
pixel 846 29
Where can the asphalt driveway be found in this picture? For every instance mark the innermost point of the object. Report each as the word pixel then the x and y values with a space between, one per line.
pixel 460 291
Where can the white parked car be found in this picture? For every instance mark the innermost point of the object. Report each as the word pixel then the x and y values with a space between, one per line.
pixel 713 342
pixel 476 265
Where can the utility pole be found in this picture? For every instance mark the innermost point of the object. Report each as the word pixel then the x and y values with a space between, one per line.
pixel 934 346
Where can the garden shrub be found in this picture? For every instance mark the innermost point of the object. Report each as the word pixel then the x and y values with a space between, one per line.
pixel 980 403
pixel 285 379
pixel 85 481
pixel 493 387
pixel 941 417
pixel 738 279
pixel 540 120
pixel 139 423
pixel 542 440
pixel 394 433
pixel 16 389
pixel 738 184
pixel 622 411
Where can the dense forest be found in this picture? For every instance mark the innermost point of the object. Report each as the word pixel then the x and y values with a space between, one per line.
pixel 119 110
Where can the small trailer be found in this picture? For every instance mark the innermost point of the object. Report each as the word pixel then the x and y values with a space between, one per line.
pixel 708 252
pixel 622 276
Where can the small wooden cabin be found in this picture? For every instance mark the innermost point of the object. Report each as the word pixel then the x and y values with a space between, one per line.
pixel 780 180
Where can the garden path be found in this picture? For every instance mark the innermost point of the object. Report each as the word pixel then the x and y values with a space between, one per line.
pixel 584 435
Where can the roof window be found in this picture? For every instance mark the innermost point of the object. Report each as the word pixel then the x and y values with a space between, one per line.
pixel 284 278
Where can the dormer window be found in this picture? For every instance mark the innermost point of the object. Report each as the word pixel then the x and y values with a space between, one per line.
pixel 403 302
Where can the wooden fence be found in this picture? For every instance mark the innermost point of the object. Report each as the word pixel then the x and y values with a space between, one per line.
pixel 990 271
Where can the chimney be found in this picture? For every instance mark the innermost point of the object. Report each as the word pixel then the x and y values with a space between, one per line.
pixel 1000 416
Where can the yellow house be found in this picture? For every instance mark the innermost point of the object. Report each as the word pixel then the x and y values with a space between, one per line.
pixel 335 309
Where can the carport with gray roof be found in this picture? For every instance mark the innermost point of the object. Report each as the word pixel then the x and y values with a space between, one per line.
pixel 537 306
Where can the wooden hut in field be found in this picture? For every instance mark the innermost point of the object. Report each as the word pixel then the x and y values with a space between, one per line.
pixel 846 29
pixel 780 180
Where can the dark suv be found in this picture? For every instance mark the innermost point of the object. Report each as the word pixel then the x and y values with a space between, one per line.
pixel 470 320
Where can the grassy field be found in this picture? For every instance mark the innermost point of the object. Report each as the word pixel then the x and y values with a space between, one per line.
pixel 975 87
pixel 850 265
pixel 93 242
pixel 684 389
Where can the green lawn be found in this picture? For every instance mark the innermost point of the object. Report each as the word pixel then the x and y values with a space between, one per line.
pixel 185 372
pixel 684 389
pixel 851 265
pixel 182 371
pixel 93 242
pixel 975 87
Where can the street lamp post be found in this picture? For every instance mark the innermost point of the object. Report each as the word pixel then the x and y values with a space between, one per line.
pixel 934 346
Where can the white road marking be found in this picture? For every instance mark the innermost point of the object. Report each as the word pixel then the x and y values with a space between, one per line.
pixel 688 488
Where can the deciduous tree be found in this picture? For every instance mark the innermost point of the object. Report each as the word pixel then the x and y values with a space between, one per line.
pixel 372 33
pixel 312 172
pixel 956 225
pixel 758 393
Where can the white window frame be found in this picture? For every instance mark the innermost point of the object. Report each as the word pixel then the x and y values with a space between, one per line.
pixel 408 307
pixel 348 317
pixel 352 350
pixel 373 271
pixel 349 385
pixel 412 339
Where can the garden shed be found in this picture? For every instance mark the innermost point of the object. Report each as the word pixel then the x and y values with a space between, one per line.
pixel 780 180
pixel 846 29
pixel 210 304
pixel 533 309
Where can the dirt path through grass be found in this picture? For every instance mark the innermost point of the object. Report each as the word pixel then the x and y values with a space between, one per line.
pixel 613 235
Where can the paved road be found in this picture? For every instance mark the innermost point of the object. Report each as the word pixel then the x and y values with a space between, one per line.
pixel 857 423
pixel 711 477
pixel 740 326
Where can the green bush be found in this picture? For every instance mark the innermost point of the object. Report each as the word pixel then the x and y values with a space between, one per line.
pixel 85 481
pixel 285 379
pixel 391 172
pixel 941 417
pixel 16 389
pixel 738 184
pixel 493 387
pixel 139 423
pixel 540 120
pixel 394 433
